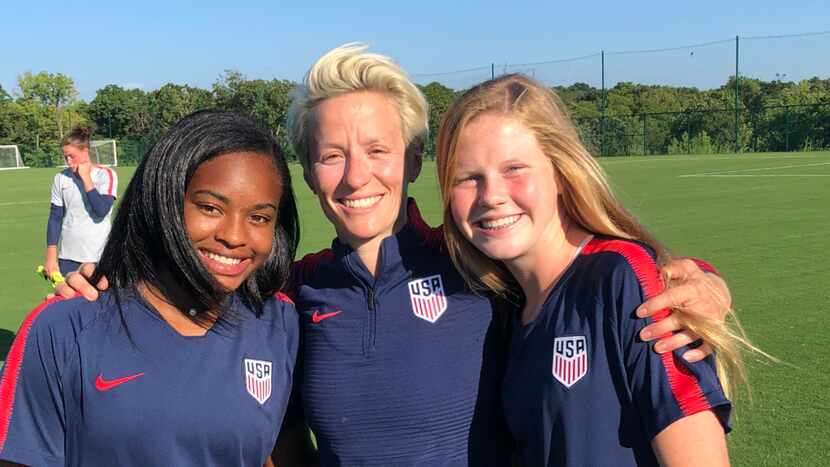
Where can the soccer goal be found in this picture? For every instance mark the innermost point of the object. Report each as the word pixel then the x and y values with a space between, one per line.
pixel 103 152
pixel 10 157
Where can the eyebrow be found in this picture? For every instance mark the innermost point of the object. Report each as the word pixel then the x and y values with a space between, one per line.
pixel 225 199
pixel 265 205
pixel 365 141
pixel 216 195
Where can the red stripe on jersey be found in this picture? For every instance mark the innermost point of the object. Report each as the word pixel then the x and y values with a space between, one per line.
pixel 14 360
pixel 704 266
pixel 684 385
pixel 111 182
pixel 283 297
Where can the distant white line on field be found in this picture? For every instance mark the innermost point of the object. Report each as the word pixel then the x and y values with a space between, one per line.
pixel 754 175
pixel 723 173
pixel 641 159
pixel 18 203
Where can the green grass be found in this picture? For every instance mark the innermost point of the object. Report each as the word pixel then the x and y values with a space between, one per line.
pixel 762 219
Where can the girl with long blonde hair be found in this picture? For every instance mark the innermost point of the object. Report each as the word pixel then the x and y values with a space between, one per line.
pixel 529 214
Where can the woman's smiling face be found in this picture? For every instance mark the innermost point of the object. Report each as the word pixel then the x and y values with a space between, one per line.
pixel 359 167
pixel 230 213
pixel 504 194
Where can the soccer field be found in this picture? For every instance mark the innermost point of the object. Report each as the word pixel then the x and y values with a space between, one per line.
pixel 762 219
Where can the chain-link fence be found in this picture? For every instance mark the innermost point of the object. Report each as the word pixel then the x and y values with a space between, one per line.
pixel 759 93
pixel 755 94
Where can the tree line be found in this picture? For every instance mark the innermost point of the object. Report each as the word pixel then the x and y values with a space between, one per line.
pixel 627 119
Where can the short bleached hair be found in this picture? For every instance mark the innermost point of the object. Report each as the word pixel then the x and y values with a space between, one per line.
pixel 349 68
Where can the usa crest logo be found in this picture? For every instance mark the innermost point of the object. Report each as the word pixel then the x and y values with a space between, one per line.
pixel 570 359
pixel 258 379
pixel 428 299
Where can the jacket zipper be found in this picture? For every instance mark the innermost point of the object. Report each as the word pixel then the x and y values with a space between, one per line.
pixel 370 298
pixel 371 322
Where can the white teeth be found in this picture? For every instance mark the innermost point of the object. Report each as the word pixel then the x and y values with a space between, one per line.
pixel 361 203
pixel 222 259
pixel 500 223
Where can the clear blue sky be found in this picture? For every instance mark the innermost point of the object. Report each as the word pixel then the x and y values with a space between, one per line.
pixel 150 42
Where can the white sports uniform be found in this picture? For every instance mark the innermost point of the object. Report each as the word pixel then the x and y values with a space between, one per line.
pixel 83 234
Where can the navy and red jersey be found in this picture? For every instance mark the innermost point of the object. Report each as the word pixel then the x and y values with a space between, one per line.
pixel 581 388
pixel 77 389
pixel 403 368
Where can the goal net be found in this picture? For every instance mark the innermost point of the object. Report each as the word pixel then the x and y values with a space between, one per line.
pixel 10 157
pixel 103 152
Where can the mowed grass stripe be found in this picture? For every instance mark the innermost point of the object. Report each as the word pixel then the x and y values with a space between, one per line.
pixel 768 236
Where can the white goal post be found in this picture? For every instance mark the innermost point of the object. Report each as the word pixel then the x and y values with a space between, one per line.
pixel 103 152
pixel 10 157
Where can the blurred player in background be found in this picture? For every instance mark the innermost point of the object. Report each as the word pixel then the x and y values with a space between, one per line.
pixel 79 215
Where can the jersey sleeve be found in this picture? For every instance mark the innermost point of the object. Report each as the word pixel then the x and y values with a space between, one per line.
pixel 664 387
pixel 294 413
pixel 54 224
pixel 106 181
pixel 56 197
pixel 32 415
pixel 291 327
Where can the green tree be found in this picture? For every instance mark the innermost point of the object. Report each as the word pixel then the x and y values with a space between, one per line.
pixel 120 113
pixel 51 90
pixel 171 102
pixel 439 98
pixel 266 101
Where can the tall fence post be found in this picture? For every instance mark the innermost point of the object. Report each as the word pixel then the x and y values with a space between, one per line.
pixel 604 104
pixel 644 133
pixel 737 97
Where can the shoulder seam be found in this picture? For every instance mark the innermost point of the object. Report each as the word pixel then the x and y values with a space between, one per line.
pixel 685 387
pixel 637 258
pixel 110 179
pixel 283 298
pixel 305 267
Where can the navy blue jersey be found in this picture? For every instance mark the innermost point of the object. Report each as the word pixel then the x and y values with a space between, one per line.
pixel 403 368
pixel 581 388
pixel 79 390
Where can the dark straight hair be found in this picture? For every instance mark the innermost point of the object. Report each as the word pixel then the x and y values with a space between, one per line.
pixel 149 243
